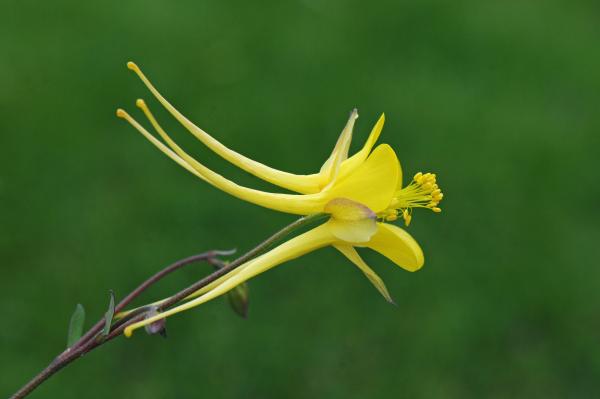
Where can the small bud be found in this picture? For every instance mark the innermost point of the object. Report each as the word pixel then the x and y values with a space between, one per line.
pixel 157 327
pixel 238 299
pixel 238 296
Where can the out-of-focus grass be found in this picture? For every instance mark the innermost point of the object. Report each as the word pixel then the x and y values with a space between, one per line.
pixel 501 100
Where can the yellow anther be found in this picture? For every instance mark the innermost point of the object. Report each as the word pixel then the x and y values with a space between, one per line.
pixel 407 217
pixel 389 215
pixel 422 192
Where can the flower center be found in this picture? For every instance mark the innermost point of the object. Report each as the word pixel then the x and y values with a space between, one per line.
pixel 422 192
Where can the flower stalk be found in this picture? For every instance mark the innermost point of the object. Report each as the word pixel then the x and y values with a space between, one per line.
pixel 92 338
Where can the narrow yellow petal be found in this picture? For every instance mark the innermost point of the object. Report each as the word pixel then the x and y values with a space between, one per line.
pixel 290 203
pixel 357 159
pixel 351 221
pixel 397 245
pixel 372 139
pixel 331 167
pixel 350 253
pixel 299 183
pixel 297 246
pixel 373 183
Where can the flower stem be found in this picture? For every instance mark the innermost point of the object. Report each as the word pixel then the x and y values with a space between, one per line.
pixel 90 341
pixel 206 256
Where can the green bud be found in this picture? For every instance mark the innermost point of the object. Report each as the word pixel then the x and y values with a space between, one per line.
pixel 238 299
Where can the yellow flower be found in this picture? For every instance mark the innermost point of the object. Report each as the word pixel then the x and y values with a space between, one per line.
pixel 375 183
pixel 360 193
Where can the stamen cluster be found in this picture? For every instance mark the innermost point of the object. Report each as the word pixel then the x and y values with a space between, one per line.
pixel 422 192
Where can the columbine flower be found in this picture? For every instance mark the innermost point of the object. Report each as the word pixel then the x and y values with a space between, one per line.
pixel 360 193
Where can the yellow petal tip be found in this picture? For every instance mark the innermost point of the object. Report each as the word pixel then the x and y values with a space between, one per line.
pixel 131 65
pixel 120 113
pixel 140 103
pixel 418 266
pixel 128 332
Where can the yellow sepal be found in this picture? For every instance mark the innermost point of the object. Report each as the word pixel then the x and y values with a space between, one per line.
pixel 331 167
pixel 350 253
pixel 350 164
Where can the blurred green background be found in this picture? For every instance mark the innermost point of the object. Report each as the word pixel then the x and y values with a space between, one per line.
pixel 500 99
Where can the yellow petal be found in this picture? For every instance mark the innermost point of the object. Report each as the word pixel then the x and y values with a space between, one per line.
pixel 357 159
pixel 397 245
pixel 331 167
pixel 297 246
pixel 351 221
pixel 373 183
pixel 290 203
pixel 355 258
pixel 290 181
pixel 372 139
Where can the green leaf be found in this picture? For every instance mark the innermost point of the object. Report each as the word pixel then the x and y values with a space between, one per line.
pixel 108 316
pixel 76 325
pixel 238 299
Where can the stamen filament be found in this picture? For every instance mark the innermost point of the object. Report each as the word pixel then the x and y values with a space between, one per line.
pixel 422 192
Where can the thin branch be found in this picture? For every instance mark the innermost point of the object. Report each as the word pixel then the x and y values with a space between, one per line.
pixel 88 342
pixel 146 284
